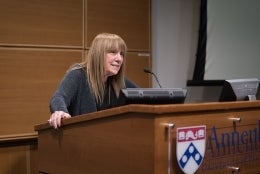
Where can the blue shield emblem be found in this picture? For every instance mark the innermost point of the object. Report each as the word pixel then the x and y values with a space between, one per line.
pixel 190 147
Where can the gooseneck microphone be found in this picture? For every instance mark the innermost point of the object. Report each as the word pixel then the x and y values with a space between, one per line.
pixel 150 72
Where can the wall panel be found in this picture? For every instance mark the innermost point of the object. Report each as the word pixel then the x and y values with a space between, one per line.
pixel 28 79
pixel 129 19
pixel 13 160
pixel 47 22
pixel 135 63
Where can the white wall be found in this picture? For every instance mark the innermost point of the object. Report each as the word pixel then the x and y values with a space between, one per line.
pixel 174 43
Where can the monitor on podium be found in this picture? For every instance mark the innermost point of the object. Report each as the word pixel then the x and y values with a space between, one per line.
pixel 239 90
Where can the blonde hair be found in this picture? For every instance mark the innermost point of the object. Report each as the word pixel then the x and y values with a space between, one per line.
pixel 94 63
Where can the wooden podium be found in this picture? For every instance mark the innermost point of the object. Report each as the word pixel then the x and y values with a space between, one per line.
pixel 141 139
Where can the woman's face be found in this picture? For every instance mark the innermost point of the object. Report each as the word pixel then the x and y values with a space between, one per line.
pixel 113 62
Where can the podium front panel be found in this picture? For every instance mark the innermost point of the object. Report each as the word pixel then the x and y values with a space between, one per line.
pixel 137 139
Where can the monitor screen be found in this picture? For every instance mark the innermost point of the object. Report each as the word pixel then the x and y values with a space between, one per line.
pixel 239 90
pixel 154 95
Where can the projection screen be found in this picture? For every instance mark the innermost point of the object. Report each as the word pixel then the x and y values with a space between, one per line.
pixel 233 39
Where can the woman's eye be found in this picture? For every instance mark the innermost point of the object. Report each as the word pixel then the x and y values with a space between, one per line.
pixel 111 51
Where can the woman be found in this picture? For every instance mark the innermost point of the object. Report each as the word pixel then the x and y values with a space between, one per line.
pixel 95 84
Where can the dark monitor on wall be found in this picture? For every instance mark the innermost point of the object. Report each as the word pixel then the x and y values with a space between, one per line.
pixel 239 90
pixel 155 95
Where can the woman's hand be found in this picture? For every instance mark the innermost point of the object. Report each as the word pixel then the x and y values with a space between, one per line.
pixel 55 119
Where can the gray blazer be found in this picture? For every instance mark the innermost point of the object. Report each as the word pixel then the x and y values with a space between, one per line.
pixel 74 96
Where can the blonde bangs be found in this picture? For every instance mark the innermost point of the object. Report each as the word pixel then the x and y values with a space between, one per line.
pixel 115 43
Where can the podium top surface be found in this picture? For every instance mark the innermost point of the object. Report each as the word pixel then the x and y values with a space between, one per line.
pixel 157 110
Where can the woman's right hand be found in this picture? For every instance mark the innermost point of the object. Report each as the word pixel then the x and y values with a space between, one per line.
pixel 56 117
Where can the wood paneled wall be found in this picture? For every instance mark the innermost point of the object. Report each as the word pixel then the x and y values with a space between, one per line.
pixel 128 18
pixel 28 79
pixel 39 40
pixel 37 23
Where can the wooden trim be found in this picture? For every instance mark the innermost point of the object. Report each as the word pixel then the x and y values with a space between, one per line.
pixel 5 45
pixel 18 139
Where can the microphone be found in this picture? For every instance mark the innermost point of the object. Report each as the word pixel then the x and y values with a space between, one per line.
pixel 150 72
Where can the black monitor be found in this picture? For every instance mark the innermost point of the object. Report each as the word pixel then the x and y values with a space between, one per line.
pixel 155 95
pixel 239 90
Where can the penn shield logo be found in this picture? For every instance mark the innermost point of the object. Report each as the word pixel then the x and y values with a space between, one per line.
pixel 190 147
